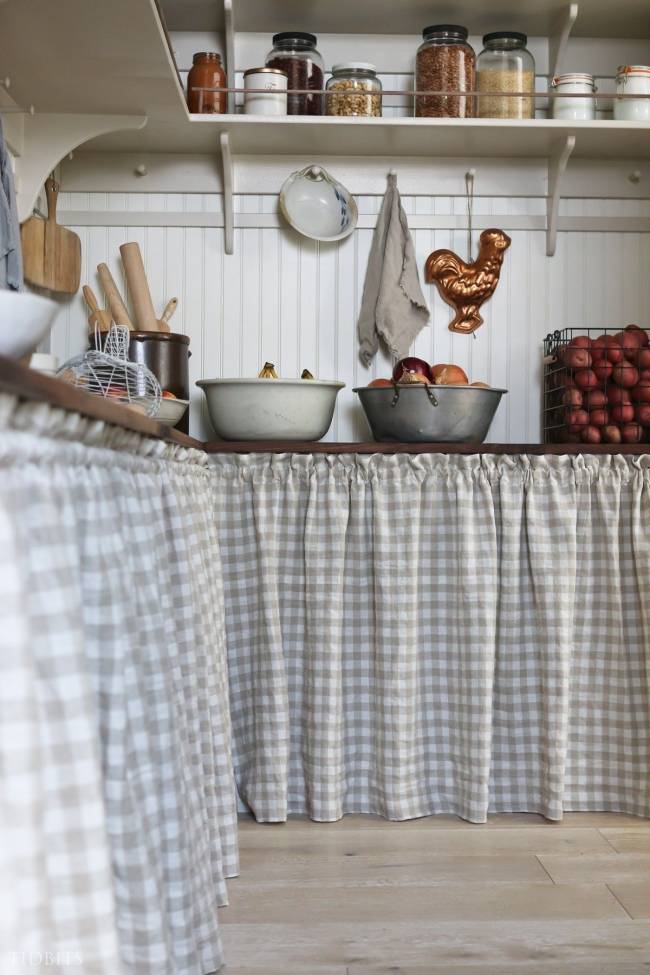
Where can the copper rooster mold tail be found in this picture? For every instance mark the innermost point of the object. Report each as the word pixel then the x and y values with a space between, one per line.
pixel 465 287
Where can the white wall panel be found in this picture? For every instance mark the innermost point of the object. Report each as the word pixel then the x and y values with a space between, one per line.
pixel 295 303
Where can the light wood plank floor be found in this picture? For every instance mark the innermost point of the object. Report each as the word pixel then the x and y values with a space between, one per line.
pixel 518 896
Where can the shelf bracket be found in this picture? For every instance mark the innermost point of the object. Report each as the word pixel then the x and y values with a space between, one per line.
pixel 44 140
pixel 229 23
pixel 557 164
pixel 559 37
pixel 228 202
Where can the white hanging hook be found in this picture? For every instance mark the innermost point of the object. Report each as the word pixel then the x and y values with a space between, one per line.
pixel 6 83
pixel 392 172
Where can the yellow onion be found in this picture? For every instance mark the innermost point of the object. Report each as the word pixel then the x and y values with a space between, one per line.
pixel 268 371
pixel 305 374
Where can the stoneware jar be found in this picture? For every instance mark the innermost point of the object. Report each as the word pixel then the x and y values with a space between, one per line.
pixel 573 109
pixel 271 101
pixel 633 79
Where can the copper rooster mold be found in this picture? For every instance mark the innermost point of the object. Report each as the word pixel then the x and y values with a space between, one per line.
pixel 467 286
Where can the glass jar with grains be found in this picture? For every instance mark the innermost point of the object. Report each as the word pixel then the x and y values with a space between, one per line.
pixel 505 65
pixel 206 72
pixel 444 62
pixel 354 89
pixel 295 52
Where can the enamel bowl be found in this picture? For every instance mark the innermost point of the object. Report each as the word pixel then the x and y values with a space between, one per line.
pixel 171 410
pixel 271 409
pixel 25 320
pixel 318 206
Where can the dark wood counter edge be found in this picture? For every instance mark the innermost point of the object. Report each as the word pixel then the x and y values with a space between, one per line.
pixel 288 447
pixel 32 385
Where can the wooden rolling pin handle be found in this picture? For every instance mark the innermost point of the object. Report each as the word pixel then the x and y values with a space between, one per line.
pixel 115 303
pixel 91 300
pixel 145 315
pixel 170 308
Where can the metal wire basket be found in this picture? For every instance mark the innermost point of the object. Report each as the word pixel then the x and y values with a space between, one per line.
pixel 108 372
pixel 569 408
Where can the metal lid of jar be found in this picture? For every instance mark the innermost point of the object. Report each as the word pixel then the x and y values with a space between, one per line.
pixel 295 35
pixel 265 71
pixel 506 35
pixel 454 30
pixel 353 66
pixel 575 78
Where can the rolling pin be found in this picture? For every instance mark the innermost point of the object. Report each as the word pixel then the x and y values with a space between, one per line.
pixel 98 316
pixel 145 315
pixel 113 296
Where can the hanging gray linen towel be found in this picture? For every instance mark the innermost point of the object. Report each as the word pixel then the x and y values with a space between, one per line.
pixel 11 262
pixel 393 308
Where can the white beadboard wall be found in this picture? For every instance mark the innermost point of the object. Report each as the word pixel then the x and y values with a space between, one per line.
pixel 295 303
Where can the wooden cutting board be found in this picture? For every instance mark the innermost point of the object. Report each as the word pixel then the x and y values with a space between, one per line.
pixel 51 254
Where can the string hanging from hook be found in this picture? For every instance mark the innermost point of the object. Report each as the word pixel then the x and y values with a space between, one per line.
pixel 469 196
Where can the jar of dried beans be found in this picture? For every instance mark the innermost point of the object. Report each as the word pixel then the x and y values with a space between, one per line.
pixel 504 69
pixel 445 62
pixel 354 89
pixel 295 52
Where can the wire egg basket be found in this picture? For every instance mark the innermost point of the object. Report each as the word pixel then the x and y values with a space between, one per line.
pixel 108 372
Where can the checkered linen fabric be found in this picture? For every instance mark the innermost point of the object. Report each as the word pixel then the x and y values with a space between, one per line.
pixel 117 781
pixel 417 634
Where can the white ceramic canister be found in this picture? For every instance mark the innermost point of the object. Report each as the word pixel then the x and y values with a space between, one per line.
pixel 573 109
pixel 271 101
pixel 633 79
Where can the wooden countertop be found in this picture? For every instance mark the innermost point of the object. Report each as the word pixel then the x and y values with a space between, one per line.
pixel 32 385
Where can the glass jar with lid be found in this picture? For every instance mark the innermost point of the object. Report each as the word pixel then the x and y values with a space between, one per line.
pixel 633 80
pixel 445 62
pixel 354 90
pixel 295 52
pixel 566 105
pixel 206 72
pixel 505 65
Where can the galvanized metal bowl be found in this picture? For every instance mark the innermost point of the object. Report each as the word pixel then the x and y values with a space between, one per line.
pixel 429 414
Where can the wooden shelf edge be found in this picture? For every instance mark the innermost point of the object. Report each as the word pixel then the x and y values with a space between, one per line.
pixel 289 447
pixel 29 384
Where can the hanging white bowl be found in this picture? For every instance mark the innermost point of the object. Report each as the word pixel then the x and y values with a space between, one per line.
pixel 318 206
pixel 25 320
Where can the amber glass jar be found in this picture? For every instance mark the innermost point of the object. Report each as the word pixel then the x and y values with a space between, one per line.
pixel 206 72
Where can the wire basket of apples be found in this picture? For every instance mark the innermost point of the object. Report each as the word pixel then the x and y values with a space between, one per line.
pixel 429 404
pixel 597 386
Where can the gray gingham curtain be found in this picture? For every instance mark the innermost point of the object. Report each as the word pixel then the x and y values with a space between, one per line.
pixel 437 634
pixel 117 806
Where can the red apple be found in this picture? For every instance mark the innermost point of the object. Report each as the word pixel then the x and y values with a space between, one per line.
pixel 577 419
pixel 576 358
pixel 603 370
pixel 585 378
pixel 590 434
pixel 622 414
pixel 606 347
pixel 641 393
pixel 625 375
pixel 644 339
pixel 580 342
pixel 631 433
pixel 642 414
pixel 611 433
pixel 599 417
pixel 617 396
pixel 572 396
pixel 595 398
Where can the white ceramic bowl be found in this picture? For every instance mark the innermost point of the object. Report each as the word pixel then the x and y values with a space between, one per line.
pixel 317 205
pixel 171 410
pixel 25 320
pixel 271 409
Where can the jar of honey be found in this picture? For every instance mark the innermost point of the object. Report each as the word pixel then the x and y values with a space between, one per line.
pixel 206 72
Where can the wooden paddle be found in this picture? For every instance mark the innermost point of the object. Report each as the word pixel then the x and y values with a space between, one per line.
pixel 51 254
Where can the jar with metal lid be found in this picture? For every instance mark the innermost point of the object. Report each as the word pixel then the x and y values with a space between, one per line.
pixel 503 68
pixel 206 72
pixel 272 100
pixel 354 90
pixel 564 106
pixel 633 79
pixel 295 52
pixel 445 62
